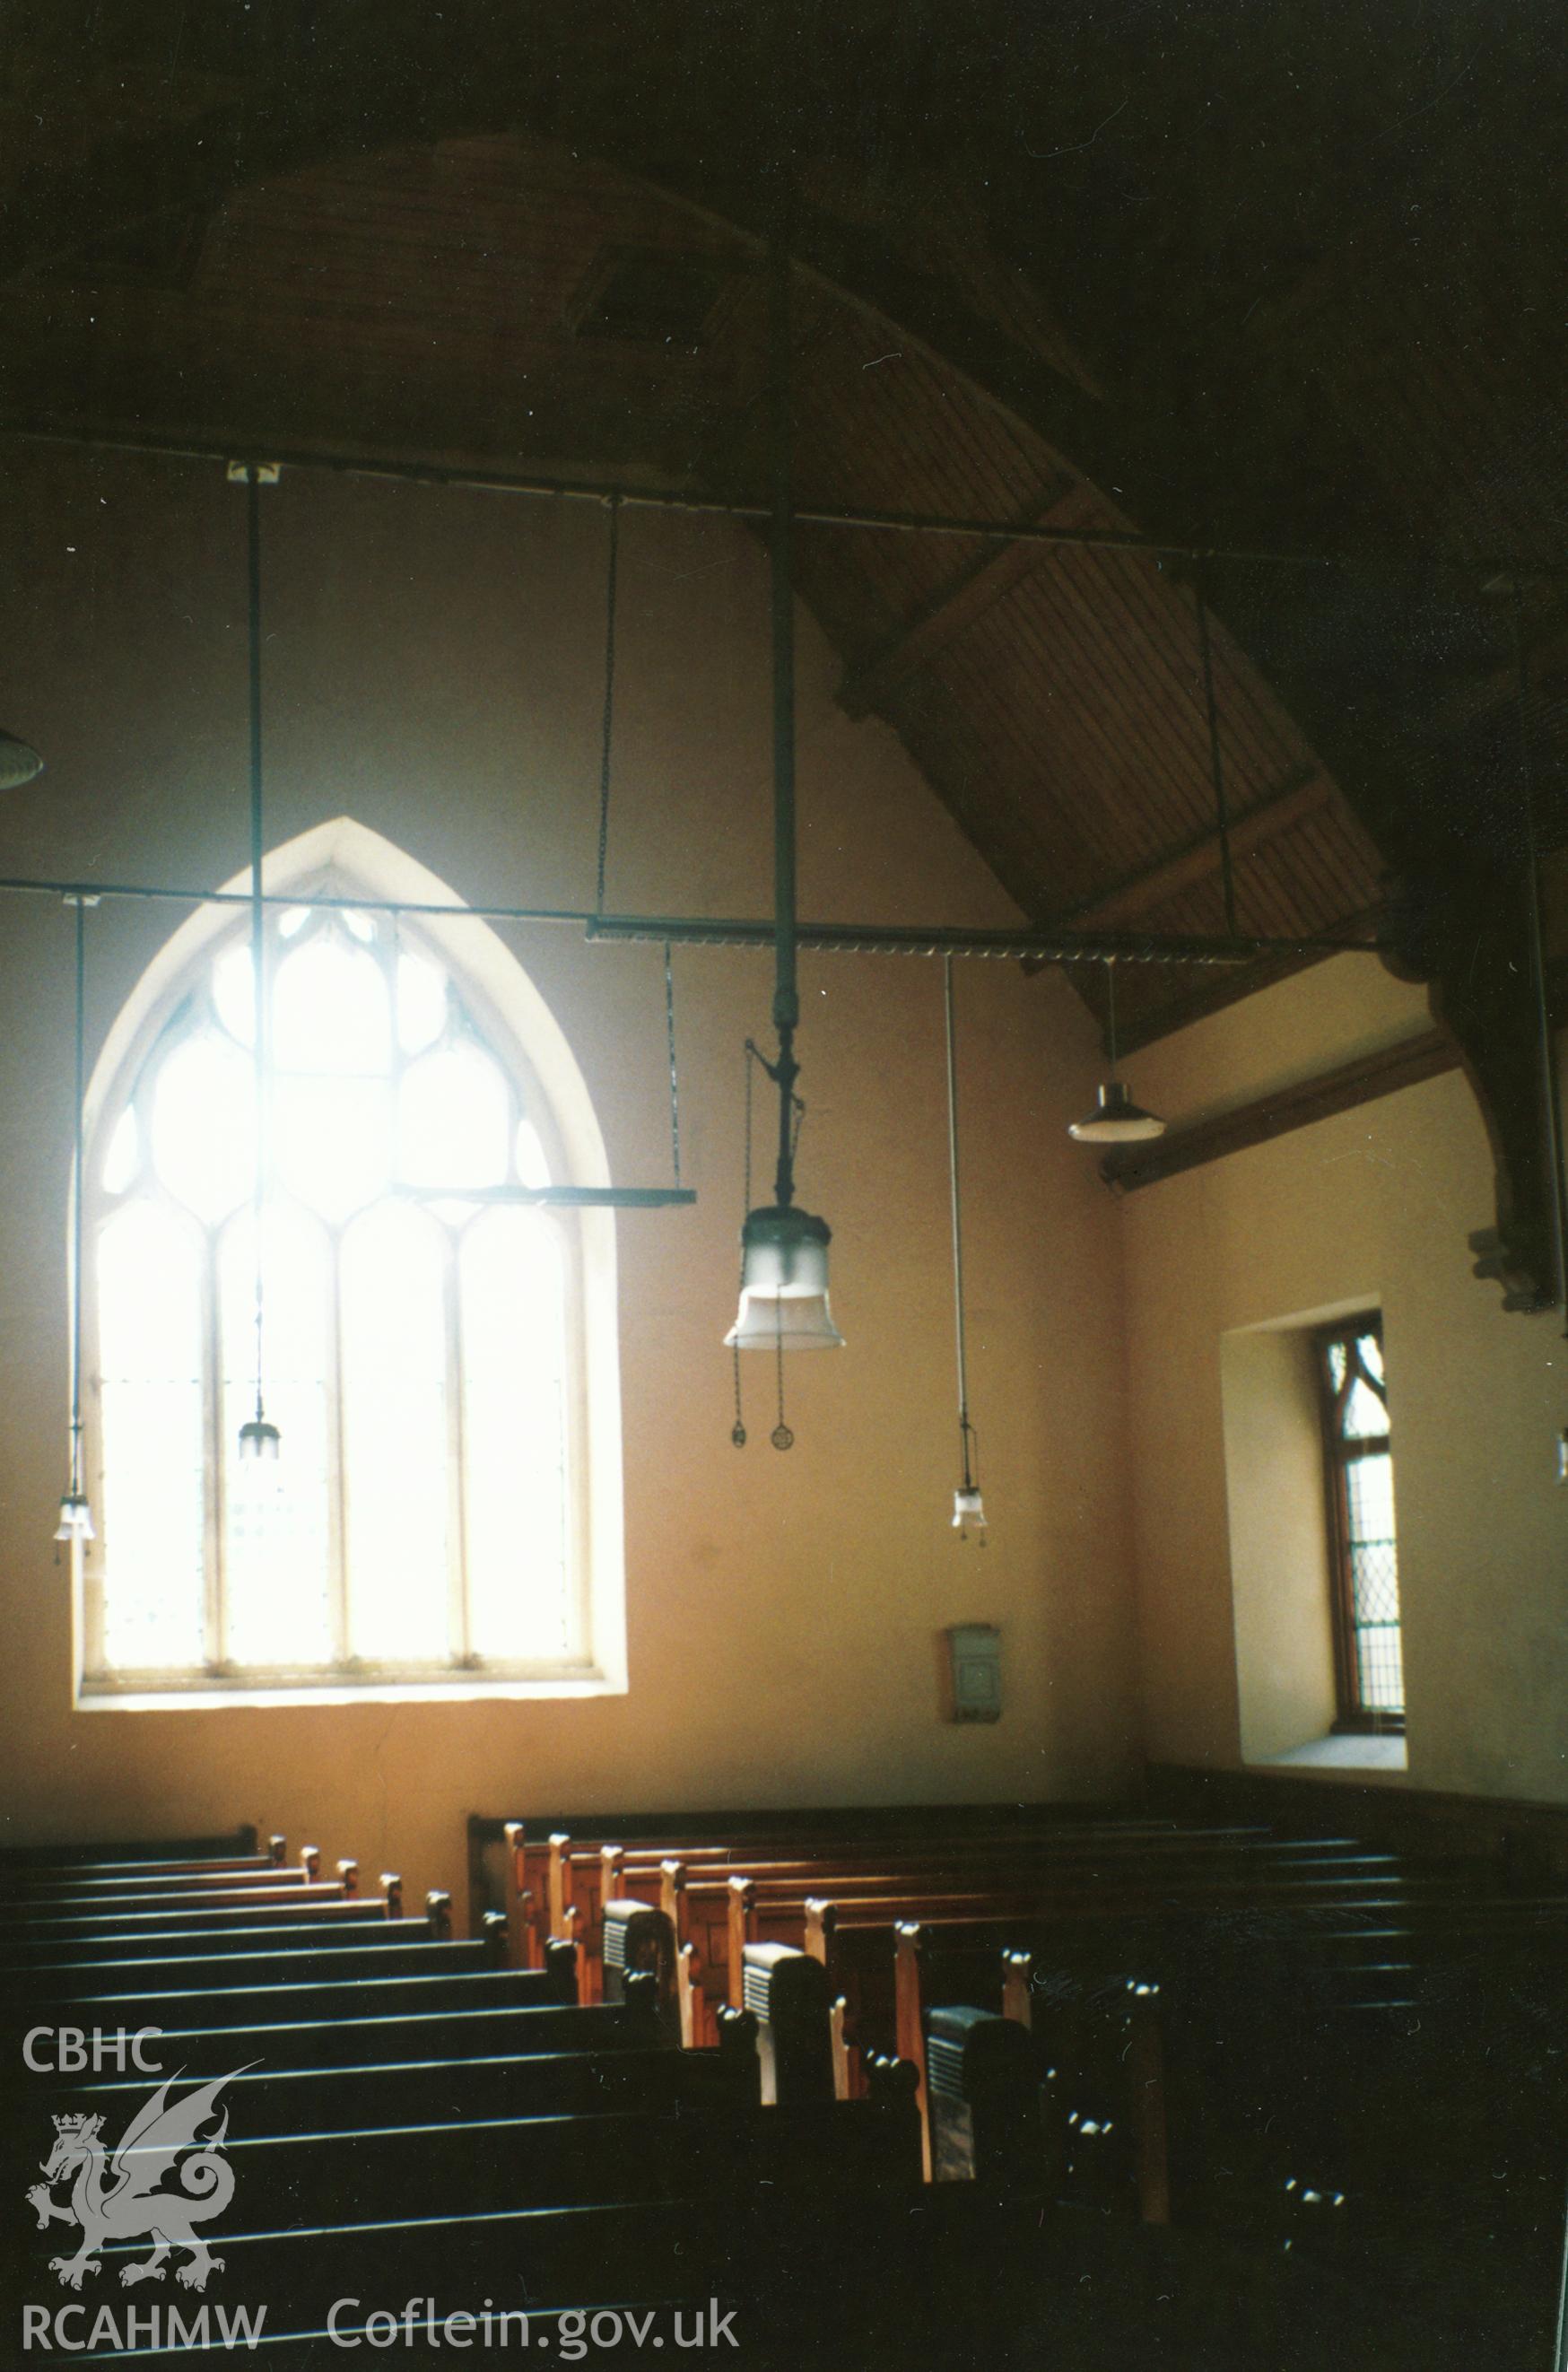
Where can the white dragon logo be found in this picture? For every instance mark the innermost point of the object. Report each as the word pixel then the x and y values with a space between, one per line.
pixel 132 2207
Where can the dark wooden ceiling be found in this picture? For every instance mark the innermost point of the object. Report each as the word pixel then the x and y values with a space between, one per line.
pixel 1283 280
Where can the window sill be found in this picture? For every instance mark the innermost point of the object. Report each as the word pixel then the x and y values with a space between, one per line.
pixel 1349 1750
pixel 204 1694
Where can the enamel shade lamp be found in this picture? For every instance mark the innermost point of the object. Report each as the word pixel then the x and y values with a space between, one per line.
pixel 784 1251
pixel 783 1284
pixel 19 763
pixel 1116 1119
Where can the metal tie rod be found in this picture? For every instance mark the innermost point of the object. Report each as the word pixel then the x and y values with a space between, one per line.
pixel 696 930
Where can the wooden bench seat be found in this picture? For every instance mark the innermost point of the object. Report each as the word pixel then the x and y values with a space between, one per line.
pixel 636 2075
pixel 19 1885
pixel 343 1960
pixel 289 2042
pixel 363 1925
pixel 310 1906
pixel 491 2163
pixel 365 1997
pixel 237 1845
pixel 150 1898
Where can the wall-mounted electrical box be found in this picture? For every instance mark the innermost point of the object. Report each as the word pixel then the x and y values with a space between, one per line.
pixel 972 1672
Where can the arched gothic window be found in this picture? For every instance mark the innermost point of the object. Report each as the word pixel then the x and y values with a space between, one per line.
pixel 429 1521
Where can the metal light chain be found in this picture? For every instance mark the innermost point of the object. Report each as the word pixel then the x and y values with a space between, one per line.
pixel 609 725
pixel 780 1436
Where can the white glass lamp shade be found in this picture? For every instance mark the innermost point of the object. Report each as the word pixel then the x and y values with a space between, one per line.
pixel 76 1519
pixel 1116 1119
pixel 783 1284
pixel 1563 1457
pixel 259 1439
pixel 18 762
pixel 969 1512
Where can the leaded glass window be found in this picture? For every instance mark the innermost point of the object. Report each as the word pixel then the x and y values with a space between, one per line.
pixel 420 1346
pixel 1358 1446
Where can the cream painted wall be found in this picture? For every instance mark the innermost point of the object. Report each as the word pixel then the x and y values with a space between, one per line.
pixel 1374 1206
pixel 1278 1539
pixel 433 668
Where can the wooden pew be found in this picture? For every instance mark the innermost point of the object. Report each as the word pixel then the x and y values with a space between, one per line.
pixel 307 1906
pixel 714 1918
pixel 108 1881
pixel 545 1878
pixel 1366 1974
pixel 570 1882
pixel 238 1844
pixel 406 1949
pixel 364 1924
pixel 625 2202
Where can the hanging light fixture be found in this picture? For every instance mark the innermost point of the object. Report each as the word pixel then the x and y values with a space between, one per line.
pixel 969 1510
pixel 18 762
pixel 1116 1119
pixel 76 1515
pixel 259 1438
pixel 784 1251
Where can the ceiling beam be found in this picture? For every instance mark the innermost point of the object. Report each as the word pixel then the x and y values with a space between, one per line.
pixel 1304 790
pixel 963 598
pixel 1426 1055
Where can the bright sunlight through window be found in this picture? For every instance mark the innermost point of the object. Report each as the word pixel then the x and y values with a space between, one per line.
pixel 420 1353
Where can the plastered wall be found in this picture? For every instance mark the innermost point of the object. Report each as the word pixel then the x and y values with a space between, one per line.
pixel 433 669
pixel 1372 1207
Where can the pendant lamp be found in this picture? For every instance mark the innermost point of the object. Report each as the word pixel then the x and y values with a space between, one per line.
pixel 259 1438
pixel 75 1515
pixel 1116 1119
pixel 784 1251
pixel 18 762
pixel 783 1284
pixel 968 1509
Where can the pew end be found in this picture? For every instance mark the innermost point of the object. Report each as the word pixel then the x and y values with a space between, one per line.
pixel 983 2100
pixel 638 1942
pixel 518 1899
pixel 740 1920
pixel 787 1993
pixel 1145 2068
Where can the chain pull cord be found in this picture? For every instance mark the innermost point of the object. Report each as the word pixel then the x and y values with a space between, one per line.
pixel 258 903
pixel 674 1072
pixel 608 729
pixel 1222 811
pixel 738 1431
pixel 780 1436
